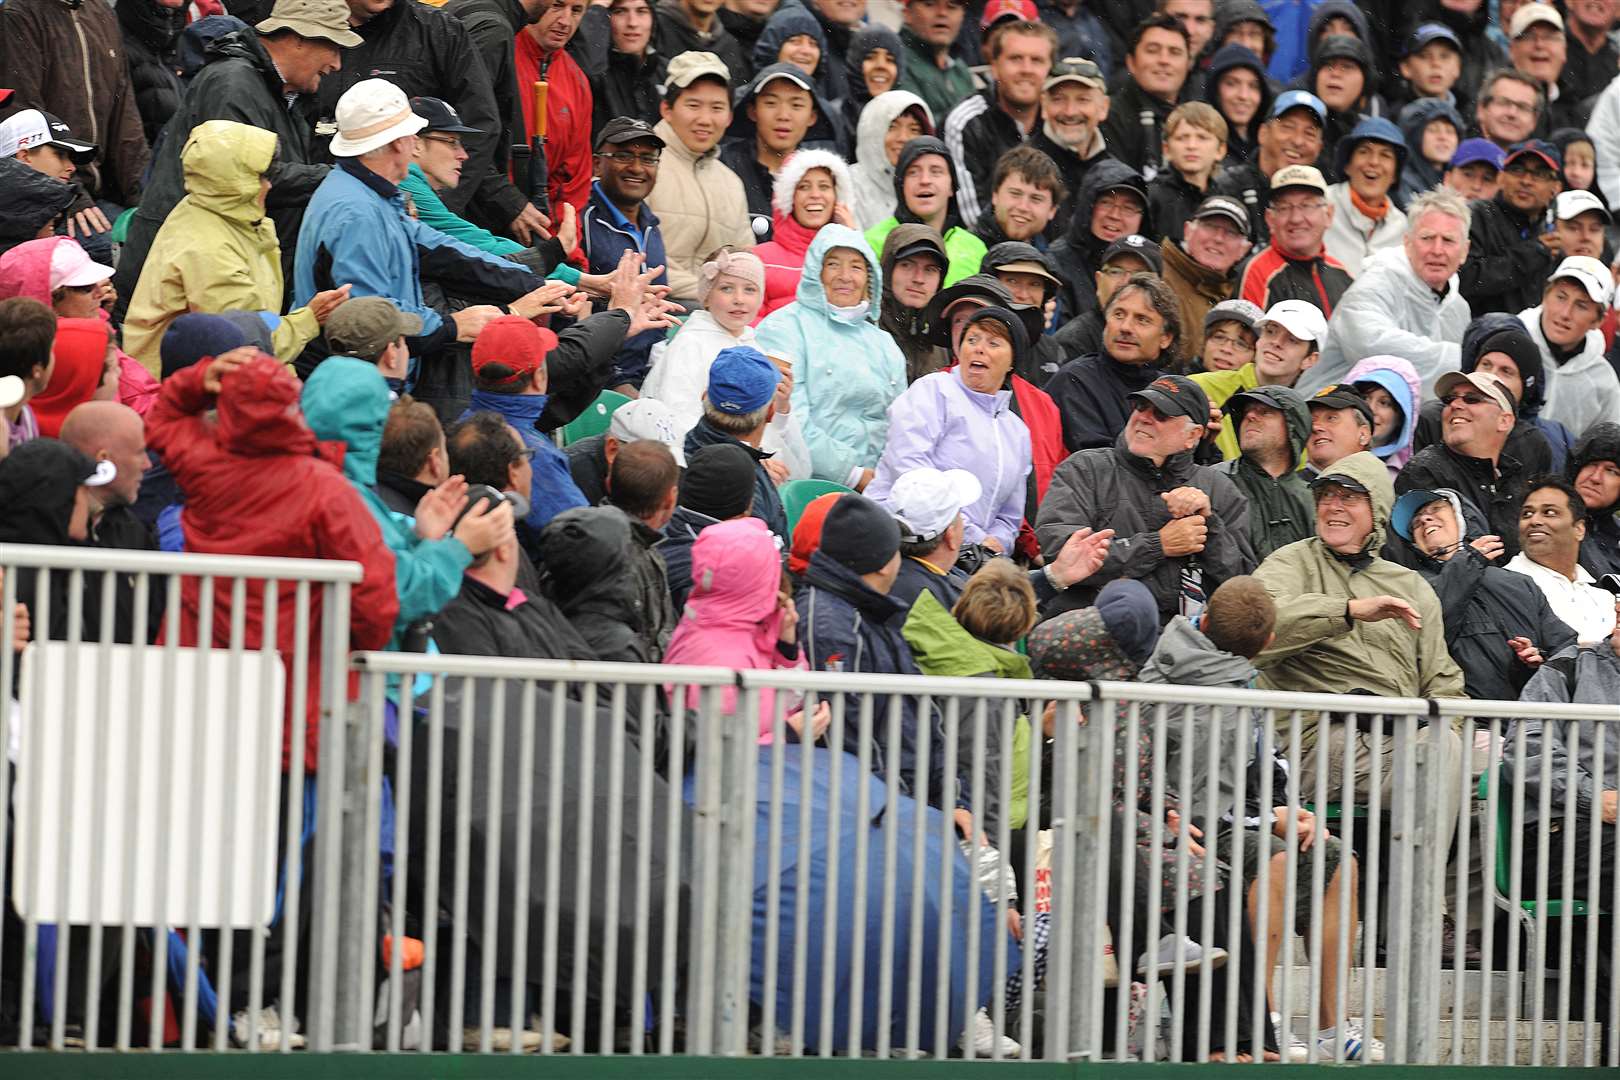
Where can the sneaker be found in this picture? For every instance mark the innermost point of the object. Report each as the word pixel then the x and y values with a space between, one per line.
pixel 1294 1048
pixel 1190 951
pixel 1357 1045
pixel 981 1033
pixel 269 1034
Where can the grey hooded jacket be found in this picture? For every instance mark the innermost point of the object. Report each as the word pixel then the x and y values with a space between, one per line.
pixel 1583 677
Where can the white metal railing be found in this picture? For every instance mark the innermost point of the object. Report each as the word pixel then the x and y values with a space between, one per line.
pixel 589 866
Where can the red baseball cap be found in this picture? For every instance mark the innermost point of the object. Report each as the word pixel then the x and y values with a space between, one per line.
pixel 514 342
pixel 997 10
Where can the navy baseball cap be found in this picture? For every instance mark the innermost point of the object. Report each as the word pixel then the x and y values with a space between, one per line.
pixel 441 116
pixel 1431 32
pixel 1471 150
pixel 1545 151
pixel 1299 99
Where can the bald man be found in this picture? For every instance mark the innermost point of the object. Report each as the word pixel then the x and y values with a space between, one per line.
pixel 109 431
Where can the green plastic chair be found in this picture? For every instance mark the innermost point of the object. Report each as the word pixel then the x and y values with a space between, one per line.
pixel 594 420
pixel 798 494
pixel 1504 855
pixel 120 229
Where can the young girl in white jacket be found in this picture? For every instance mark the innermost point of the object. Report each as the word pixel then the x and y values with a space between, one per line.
pixel 731 288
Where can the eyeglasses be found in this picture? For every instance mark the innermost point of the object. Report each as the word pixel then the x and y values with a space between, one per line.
pixel 648 161
pixel 1338 496
pixel 1516 106
pixel 452 141
pixel 1292 210
pixel 526 454
pixel 1232 341
pixel 1467 399
pixel 1116 271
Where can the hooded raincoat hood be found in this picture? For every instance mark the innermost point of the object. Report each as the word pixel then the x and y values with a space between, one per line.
pixel 81 361
pixel 1601 442
pixel 1291 403
pixel 822 131
pixel 909 153
pixel 1600 551
pixel 1367 471
pixel 790 22
pixel 909 326
pixel 793 171
pixel 865 42
pixel 25 270
pixel 222 162
pixel 1344 9
pixel 872 175
pixel 1079 252
pixel 732 617
pixel 1418 175
pixel 1229 58
pixel 812 295
pixel 346 400
pixel 29 200
pixel 1400 379
pixel 586 553
pixel 1185 657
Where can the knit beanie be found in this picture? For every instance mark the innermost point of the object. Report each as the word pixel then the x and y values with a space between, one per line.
pixel 719 481
pixel 1132 617
pixel 860 535
pixel 193 336
pixel 807 533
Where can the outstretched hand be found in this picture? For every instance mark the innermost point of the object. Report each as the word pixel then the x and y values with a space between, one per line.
pixel 1081 556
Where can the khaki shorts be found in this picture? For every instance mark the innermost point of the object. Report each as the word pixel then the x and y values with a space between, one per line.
pixel 1256 842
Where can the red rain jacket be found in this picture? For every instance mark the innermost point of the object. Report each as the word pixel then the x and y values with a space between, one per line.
pixel 256 483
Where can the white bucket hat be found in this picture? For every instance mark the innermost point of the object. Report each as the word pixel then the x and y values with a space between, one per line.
pixel 373 113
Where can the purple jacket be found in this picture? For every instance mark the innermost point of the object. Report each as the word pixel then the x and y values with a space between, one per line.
pixel 939 423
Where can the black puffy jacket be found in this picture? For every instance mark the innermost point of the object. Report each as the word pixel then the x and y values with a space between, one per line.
pixel 151 47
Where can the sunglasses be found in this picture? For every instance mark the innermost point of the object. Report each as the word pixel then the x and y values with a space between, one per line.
pixel 1468 399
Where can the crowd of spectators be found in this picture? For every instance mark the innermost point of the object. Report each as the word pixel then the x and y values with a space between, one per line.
pixel 1200 340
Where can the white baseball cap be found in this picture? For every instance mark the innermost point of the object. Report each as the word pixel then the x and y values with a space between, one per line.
pixel 12 391
pixel 1571 204
pixel 1592 275
pixel 1531 14
pixel 30 128
pixel 373 113
pixel 72 267
pixel 648 418
pixel 1299 317
pixel 926 501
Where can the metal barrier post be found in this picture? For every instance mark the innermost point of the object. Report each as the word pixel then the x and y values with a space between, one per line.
pixel 735 881
pixel 1418 862
pixel 339 928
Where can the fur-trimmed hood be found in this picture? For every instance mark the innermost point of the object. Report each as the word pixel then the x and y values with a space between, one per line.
pixel 793 171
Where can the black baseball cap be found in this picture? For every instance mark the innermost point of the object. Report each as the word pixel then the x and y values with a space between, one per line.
pixel 1342 396
pixel 1176 395
pixel 623 129
pixel 1138 245
pixel 1224 206
pixel 441 116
